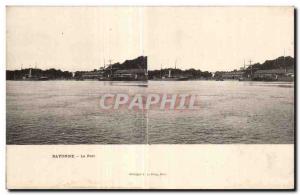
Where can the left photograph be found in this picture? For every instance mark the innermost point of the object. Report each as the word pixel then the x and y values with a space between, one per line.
pixel 56 75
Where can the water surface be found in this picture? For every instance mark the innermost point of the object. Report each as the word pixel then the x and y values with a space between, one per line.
pixel 68 112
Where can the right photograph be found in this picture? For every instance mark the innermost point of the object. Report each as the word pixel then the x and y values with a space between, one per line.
pixel 238 63
pixel 158 97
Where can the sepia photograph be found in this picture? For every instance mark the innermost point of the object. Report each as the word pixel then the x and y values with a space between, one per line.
pixel 150 80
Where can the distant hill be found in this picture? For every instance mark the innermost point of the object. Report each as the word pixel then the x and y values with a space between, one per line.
pixel 137 63
pixel 278 63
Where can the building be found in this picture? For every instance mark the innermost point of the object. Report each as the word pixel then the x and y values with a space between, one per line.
pixel 93 75
pixel 274 74
pixel 232 75
pixel 130 74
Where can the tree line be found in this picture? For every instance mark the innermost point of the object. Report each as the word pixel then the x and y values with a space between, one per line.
pixel 50 73
pixel 190 73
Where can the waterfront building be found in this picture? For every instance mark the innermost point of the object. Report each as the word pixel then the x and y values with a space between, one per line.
pixel 93 75
pixel 274 74
pixel 130 74
pixel 232 75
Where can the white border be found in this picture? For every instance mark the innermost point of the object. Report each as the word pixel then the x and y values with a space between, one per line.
pixel 155 2
pixel 4 3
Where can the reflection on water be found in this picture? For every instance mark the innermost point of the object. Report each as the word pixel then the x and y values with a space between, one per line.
pixel 68 112
pixel 126 83
pixel 230 112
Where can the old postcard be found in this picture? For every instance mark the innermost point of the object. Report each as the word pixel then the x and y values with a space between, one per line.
pixel 150 97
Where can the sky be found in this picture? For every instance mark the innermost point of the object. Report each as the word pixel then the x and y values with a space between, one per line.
pixel 205 38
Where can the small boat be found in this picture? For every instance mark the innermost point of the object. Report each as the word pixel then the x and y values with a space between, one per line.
pixel 31 77
pixel 174 78
pixel 43 78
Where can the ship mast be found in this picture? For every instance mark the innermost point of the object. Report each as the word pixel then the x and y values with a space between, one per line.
pixel 29 73
pixel 284 61
pixel 161 71
pixel 110 67
pixel 250 66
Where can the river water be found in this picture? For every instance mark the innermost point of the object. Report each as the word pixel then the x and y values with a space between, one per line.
pixel 229 112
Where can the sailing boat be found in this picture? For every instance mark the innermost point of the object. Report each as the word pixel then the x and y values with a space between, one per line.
pixel 30 77
pixel 170 77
